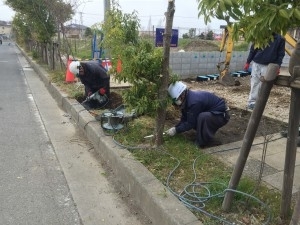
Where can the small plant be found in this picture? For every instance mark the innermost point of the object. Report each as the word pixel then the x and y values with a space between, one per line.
pixel 35 54
pixel 57 76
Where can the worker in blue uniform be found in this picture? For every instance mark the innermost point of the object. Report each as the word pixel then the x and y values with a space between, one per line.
pixel 202 111
pixel 261 58
pixel 95 79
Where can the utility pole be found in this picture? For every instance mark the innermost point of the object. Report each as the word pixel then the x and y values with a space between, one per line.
pixel 81 25
pixel 106 7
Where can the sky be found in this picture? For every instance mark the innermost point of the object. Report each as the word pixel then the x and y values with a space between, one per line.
pixel 6 13
pixel 151 12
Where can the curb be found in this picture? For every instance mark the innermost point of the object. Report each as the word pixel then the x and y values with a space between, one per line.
pixel 148 193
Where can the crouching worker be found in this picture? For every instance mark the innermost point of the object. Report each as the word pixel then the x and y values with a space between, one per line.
pixel 201 110
pixel 96 82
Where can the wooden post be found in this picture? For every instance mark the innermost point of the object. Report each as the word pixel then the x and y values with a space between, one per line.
pixel 291 145
pixel 296 215
pixel 264 92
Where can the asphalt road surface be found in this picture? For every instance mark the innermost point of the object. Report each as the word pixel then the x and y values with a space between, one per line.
pixel 49 172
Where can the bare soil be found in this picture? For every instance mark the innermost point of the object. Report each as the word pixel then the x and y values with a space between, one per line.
pixel 274 118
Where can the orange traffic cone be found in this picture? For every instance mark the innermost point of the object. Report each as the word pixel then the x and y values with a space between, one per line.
pixel 69 76
pixel 119 66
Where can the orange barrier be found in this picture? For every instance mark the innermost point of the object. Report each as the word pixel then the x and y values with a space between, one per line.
pixel 69 76
pixel 119 66
pixel 106 63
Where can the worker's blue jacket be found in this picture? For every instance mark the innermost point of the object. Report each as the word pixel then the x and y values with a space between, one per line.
pixel 273 53
pixel 195 103
pixel 95 77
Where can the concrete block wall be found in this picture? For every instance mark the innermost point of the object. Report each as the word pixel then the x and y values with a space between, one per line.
pixel 193 64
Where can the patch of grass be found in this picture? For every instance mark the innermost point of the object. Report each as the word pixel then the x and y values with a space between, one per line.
pixel 73 90
pixel 184 168
pixel 241 46
pixel 81 49
pixel 57 76
pixel 183 42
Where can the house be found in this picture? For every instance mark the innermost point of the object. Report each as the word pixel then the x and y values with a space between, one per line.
pixel 75 30
pixel 5 29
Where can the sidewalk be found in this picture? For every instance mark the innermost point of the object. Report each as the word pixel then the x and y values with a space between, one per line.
pixel 274 160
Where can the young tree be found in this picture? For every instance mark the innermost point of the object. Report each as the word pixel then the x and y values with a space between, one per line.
pixel 145 67
pixel 41 16
pixel 185 36
pixel 164 78
pixel 88 32
pixel 21 28
pixel 210 35
pixel 192 32
pixel 256 18
pixel 202 35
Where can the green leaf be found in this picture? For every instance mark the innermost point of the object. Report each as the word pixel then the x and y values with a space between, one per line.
pixel 219 13
pixel 211 4
pixel 284 13
pixel 222 5
pixel 228 2
pixel 297 13
pixel 272 18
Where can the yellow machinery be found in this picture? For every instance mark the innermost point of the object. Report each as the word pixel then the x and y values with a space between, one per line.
pixel 292 43
pixel 223 67
pixel 227 41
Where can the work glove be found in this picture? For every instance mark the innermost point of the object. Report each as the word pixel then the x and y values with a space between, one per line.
pixel 171 132
pixel 246 67
pixel 102 91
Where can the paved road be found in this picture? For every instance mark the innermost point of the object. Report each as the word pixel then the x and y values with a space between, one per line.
pixel 49 173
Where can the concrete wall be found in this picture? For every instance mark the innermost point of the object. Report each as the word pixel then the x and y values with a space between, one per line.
pixel 193 64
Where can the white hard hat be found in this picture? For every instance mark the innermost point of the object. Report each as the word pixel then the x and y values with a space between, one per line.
pixel 176 89
pixel 74 67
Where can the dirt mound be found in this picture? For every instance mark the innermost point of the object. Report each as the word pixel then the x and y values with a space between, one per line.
pixel 201 45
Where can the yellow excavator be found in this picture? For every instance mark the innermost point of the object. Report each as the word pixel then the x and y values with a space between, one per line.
pixel 291 44
pixel 225 77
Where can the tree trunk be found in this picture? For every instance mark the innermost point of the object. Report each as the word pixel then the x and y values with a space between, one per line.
pixel 162 92
pixel 296 215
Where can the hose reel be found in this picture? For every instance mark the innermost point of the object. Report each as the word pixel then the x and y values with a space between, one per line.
pixel 112 120
pixel 115 119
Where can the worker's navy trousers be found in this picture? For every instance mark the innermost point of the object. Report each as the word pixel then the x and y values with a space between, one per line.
pixel 208 124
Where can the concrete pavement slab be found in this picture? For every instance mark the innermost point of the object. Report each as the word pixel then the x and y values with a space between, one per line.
pixel 276 180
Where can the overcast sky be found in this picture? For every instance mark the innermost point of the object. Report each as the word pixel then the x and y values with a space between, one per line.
pixel 149 12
